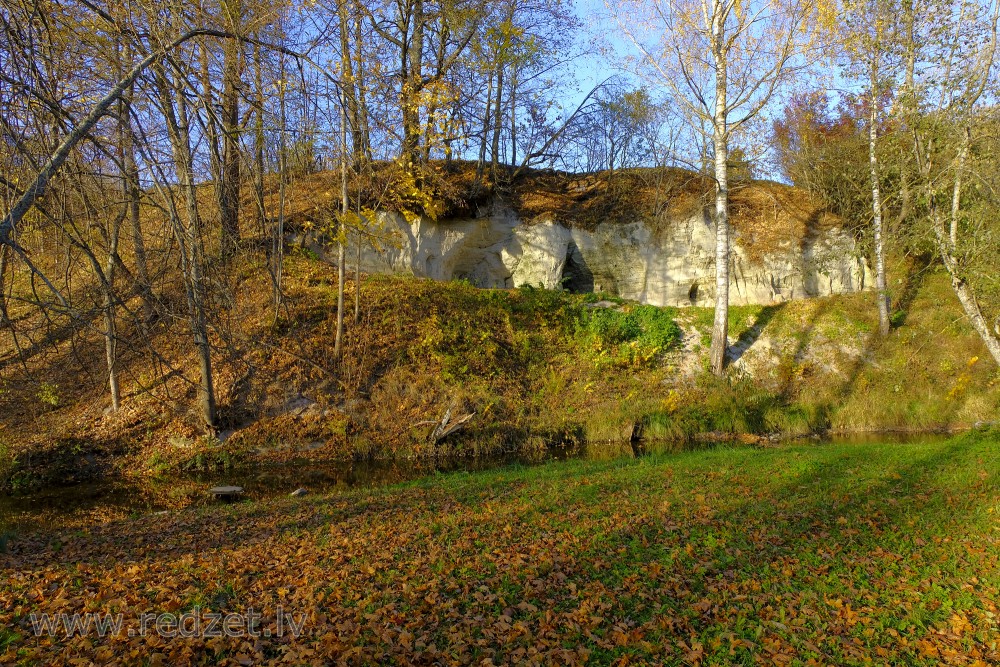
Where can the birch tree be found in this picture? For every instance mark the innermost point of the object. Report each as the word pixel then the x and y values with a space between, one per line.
pixel 953 96
pixel 723 61
pixel 868 31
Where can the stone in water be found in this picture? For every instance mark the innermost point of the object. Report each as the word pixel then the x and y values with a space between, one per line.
pixel 226 492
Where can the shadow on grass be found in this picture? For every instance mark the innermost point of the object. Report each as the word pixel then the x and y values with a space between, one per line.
pixel 750 336
pixel 911 287
pixel 873 537
pixel 802 344
pixel 662 560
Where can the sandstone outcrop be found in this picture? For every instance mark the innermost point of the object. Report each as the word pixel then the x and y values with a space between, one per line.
pixel 670 264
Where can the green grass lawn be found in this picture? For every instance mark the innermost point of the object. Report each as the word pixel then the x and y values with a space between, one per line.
pixel 808 554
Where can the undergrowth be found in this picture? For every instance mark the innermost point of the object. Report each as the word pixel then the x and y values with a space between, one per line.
pixel 481 334
pixel 724 407
pixel 538 369
pixel 631 336
pixel 203 454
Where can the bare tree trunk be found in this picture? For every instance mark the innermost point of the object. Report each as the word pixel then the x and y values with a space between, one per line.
pixel 342 233
pixel 132 191
pixel 211 123
pixel 513 117
pixel 178 127
pixel 138 240
pixel 907 94
pixel 412 85
pixel 357 269
pixel 230 187
pixel 279 232
pixel 720 135
pixel 4 313
pixel 880 278
pixel 110 324
pixel 357 284
pixel 430 131
pixel 497 123
pixel 349 86
pixel 487 114
pixel 114 234
pixel 359 72
pixel 449 139
pixel 259 141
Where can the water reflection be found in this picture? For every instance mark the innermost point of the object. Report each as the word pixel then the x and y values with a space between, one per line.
pixel 116 498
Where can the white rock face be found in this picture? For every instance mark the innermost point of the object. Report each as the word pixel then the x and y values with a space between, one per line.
pixel 672 266
pixel 452 249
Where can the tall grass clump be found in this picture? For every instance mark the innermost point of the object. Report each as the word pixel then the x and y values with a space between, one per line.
pixel 727 407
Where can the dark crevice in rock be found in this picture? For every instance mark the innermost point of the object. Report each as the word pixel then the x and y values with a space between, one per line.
pixel 576 276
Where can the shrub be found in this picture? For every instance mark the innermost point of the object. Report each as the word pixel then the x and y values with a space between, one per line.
pixel 632 336
pixel 611 327
pixel 8 463
pixel 659 330
pixel 48 393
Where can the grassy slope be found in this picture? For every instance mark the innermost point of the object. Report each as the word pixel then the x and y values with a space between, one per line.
pixel 804 555
pixel 529 362
pixel 525 361
pixel 817 364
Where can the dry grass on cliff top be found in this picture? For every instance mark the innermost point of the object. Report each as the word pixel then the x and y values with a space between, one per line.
pixel 765 215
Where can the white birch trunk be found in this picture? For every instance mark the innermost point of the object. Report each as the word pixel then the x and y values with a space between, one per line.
pixel 964 293
pixel 720 136
pixel 881 286
pixel 947 249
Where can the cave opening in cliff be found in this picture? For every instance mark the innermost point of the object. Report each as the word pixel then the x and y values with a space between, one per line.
pixel 576 276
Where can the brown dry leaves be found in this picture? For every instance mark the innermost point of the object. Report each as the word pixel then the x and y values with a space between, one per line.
pixel 806 556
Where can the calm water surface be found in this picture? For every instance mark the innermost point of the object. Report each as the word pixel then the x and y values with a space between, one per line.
pixel 114 498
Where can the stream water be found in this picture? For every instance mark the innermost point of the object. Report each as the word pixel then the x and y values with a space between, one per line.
pixel 121 498
pixel 117 497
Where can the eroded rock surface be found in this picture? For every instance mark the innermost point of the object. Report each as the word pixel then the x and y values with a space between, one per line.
pixel 669 264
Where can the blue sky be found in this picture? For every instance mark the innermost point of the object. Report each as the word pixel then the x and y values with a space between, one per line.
pixel 607 48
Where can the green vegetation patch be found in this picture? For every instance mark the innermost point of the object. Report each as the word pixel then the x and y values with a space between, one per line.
pixel 648 326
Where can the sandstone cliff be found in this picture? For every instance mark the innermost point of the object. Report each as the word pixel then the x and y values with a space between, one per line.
pixel 576 234
pixel 667 267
